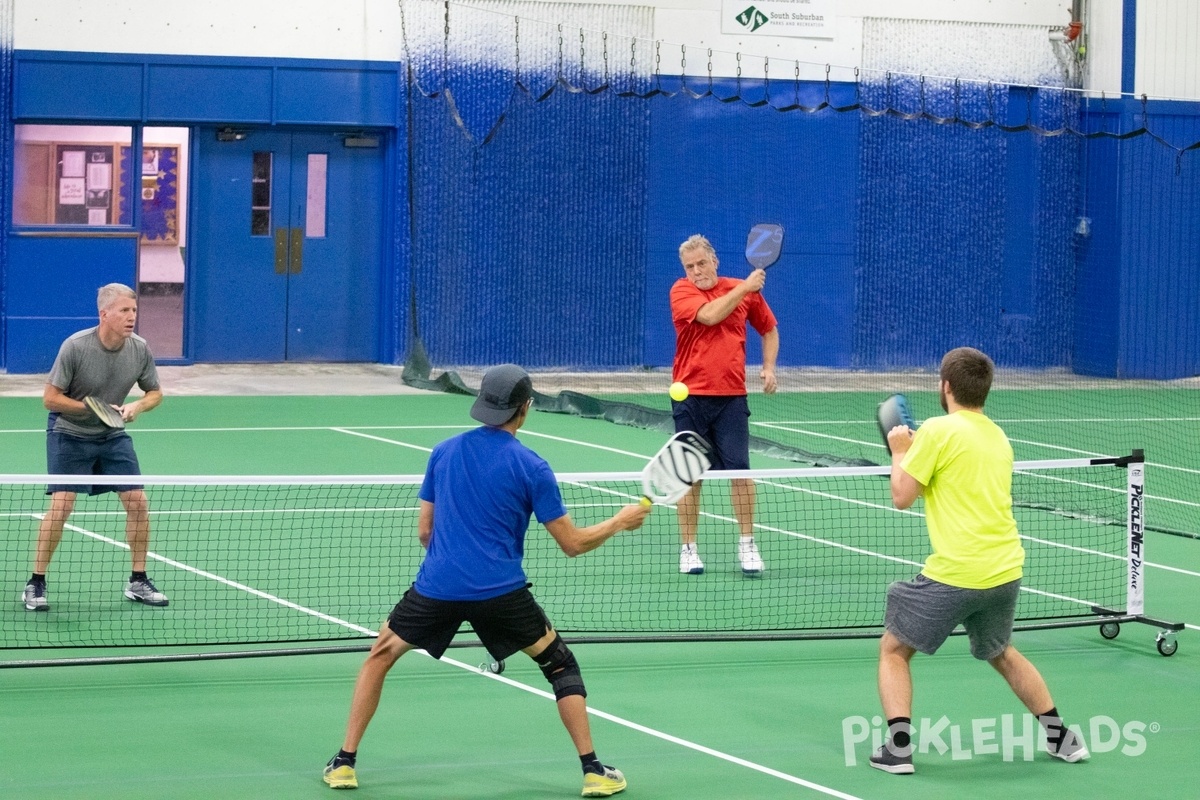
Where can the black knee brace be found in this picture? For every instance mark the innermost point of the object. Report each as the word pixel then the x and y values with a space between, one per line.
pixel 559 666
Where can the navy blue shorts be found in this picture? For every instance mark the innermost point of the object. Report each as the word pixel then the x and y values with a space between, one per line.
pixel 723 421
pixel 504 624
pixel 74 455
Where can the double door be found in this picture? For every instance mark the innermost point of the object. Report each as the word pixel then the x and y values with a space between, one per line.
pixel 288 247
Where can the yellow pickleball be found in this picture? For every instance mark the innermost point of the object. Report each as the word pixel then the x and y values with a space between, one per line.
pixel 678 391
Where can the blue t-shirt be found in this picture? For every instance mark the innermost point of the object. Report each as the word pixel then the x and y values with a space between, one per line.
pixel 484 485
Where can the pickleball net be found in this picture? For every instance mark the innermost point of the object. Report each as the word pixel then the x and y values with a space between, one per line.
pixel 312 562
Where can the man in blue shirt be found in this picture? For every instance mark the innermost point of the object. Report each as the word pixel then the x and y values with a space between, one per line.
pixel 479 491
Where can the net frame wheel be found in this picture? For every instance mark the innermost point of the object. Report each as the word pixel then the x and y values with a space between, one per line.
pixel 1110 630
pixel 1166 643
pixel 494 667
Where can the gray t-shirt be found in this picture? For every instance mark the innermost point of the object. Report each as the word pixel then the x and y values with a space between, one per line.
pixel 86 367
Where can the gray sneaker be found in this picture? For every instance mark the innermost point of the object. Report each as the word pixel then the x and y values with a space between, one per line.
pixel 34 597
pixel 1070 749
pixel 144 591
pixel 898 762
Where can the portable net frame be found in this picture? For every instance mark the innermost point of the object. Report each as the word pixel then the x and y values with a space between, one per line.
pixel 304 564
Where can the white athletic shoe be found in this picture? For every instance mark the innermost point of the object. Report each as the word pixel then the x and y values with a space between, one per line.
pixel 689 560
pixel 143 590
pixel 752 563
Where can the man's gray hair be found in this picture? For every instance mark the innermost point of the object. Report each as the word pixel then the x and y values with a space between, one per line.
pixel 110 293
pixel 696 241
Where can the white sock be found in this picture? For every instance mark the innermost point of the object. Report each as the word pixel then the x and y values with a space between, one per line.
pixel 746 540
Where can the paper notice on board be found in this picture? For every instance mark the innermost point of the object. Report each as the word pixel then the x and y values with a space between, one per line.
pixel 71 191
pixel 72 163
pixel 99 176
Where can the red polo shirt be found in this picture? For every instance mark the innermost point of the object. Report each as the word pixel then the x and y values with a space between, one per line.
pixel 711 359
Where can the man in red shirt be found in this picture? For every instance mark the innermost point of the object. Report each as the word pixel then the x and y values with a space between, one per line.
pixel 710 316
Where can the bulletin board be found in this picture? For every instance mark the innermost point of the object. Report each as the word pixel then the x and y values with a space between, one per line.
pixel 157 185
pixel 83 189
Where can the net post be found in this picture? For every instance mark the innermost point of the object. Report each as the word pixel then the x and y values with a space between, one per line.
pixel 1135 467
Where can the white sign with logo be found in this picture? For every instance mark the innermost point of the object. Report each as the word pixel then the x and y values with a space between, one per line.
pixel 806 18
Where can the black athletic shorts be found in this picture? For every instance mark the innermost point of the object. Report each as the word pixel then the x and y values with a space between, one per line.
pixel 504 624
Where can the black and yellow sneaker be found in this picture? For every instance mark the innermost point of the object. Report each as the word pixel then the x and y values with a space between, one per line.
pixel 603 785
pixel 339 774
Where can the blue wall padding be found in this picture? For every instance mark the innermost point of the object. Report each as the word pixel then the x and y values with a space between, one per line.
pixel 965 235
pixel 1160 255
pixel 1097 330
pixel 719 168
pixel 1139 279
pixel 532 248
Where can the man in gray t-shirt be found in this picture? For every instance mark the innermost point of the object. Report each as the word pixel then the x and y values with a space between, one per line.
pixel 105 362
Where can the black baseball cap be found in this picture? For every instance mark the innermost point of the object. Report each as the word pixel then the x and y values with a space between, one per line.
pixel 502 393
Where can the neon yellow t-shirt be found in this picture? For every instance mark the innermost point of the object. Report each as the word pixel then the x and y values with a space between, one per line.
pixel 965 463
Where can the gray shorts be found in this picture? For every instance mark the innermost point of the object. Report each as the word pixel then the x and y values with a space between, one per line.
pixel 922 613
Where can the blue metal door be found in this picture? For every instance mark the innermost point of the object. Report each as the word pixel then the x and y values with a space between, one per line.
pixel 286 242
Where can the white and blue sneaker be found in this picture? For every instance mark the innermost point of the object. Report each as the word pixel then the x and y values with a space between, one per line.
pixel 34 597
pixel 752 563
pixel 144 591
pixel 689 560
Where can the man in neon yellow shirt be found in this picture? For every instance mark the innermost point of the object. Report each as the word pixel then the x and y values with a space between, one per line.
pixel 962 463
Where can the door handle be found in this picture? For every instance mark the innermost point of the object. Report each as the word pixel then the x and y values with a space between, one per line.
pixel 296 262
pixel 281 246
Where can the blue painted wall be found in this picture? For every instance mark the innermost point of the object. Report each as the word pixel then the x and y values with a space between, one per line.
pixel 6 148
pixel 554 243
pixel 87 88
pixel 159 89
pixel 52 284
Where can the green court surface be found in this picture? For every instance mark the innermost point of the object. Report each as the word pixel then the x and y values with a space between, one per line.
pixel 683 720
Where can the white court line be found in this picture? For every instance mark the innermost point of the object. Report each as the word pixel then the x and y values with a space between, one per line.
pixel 349 432
pixel 780 427
pixel 1154 464
pixel 883 507
pixel 1089 551
pixel 783 426
pixel 741 762
pixel 1113 489
pixel 594 446
pixel 213 577
pixel 524 432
